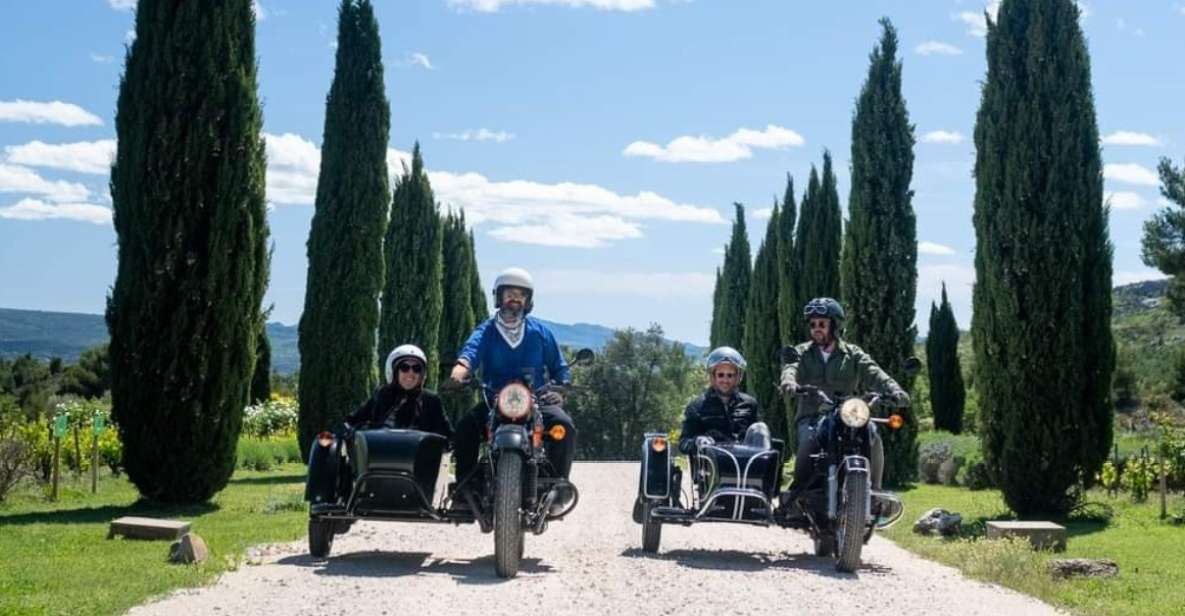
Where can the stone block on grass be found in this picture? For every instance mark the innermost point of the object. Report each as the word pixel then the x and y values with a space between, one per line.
pixel 1042 535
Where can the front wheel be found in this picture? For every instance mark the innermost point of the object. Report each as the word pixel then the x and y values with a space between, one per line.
pixel 320 537
pixel 849 533
pixel 508 529
pixel 651 530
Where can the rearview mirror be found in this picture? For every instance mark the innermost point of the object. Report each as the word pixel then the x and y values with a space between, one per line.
pixel 789 355
pixel 912 366
pixel 584 356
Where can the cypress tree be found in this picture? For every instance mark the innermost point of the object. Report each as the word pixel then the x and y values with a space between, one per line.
pixel 947 393
pixel 789 304
pixel 481 309
pixel 717 307
pixel 337 345
pixel 457 319
pixel 880 250
pixel 762 336
pixel 261 380
pixel 817 244
pixel 734 284
pixel 1164 235
pixel 1044 352
pixel 413 298
pixel 187 189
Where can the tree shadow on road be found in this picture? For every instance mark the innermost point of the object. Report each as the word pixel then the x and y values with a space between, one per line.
pixel 397 564
pixel 735 560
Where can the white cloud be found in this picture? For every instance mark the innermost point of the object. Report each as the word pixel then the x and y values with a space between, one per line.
pixel 492 6
pixel 763 213
pixel 943 136
pixel 719 250
pixel 54 112
pixel 937 48
pixel 34 209
pixel 562 214
pixel 257 8
pixel 1125 137
pixel 736 146
pixel 932 248
pixel 122 5
pixel 14 179
pixel 1122 277
pixel 419 59
pixel 1120 200
pixel 653 285
pixel 101 59
pixel 84 156
pixel 1131 173
pixel 975 20
pixel 481 134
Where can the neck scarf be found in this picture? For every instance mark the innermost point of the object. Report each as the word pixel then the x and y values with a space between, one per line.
pixel 510 328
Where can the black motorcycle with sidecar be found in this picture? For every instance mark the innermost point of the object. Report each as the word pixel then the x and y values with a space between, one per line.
pixel 401 476
pixel 741 484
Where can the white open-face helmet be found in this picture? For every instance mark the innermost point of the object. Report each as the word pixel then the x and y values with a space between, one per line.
pixel 515 277
pixel 725 355
pixel 402 352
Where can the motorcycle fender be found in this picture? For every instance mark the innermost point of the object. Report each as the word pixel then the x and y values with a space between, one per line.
pixel 656 467
pixel 513 437
pixel 858 465
pixel 323 473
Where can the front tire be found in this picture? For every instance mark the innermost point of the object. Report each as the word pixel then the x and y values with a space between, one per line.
pixel 508 530
pixel 849 533
pixel 320 537
pixel 651 531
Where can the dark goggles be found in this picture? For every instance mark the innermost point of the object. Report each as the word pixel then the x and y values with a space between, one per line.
pixel 814 310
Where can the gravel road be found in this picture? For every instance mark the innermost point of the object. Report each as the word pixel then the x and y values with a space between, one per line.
pixel 591 563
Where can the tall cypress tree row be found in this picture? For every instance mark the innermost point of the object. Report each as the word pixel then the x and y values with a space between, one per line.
pixel 717 308
pixel 481 309
pixel 947 392
pixel 789 306
pixel 817 243
pixel 762 335
pixel 337 352
pixel 880 251
pixel 261 379
pixel 734 284
pixel 457 318
pixel 187 190
pixel 413 298
pixel 1044 353
pixel 1164 235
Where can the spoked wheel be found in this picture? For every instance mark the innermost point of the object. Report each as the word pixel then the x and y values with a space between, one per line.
pixel 651 530
pixel 320 537
pixel 508 529
pixel 849 535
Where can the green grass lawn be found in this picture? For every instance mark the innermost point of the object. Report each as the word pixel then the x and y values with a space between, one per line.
pixel 56 558
pixel 1150 553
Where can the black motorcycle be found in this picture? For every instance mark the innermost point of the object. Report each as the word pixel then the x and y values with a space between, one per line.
pixel 740 483
pixel 399 475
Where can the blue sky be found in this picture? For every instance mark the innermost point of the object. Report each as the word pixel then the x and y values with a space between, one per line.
pixel 598 143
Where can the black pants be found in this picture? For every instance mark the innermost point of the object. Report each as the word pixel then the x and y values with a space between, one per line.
pixel 808 445
pixel 471 429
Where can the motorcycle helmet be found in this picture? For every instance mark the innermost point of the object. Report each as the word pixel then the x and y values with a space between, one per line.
pixel 726 355
pixel 825 307
pixel 515 277
pixel 402 352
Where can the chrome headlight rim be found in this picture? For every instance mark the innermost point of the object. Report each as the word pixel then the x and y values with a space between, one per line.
pixel 855 413
pixel 514 401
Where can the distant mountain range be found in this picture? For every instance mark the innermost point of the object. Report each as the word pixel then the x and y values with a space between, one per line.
pixel 67 334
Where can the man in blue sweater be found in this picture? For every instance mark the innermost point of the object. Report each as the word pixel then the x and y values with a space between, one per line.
pixel 507 347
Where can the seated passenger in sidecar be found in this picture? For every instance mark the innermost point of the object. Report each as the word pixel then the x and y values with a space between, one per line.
pixel 727 447
pixel 387 460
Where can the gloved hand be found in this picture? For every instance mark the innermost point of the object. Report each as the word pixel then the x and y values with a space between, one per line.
pixel 551 398
pixel 900 397
pixel 704 441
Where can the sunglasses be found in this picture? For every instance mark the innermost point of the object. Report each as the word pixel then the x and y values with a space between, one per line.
pixel 726 375
pixel 820 324
pixel 416 368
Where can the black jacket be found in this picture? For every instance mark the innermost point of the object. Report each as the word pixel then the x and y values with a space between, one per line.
pixel 421 411
pixel 707 415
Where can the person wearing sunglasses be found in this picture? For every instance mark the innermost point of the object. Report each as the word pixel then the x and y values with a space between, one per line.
pixel 836 368
pixel 723 413
pixel 403 403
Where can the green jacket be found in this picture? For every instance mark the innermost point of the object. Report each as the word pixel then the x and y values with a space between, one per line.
pixel 848 371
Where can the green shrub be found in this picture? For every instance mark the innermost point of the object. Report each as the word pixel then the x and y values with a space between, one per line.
pixel 977 476
pixel 931 457
pixel 272 418
pixel 265 454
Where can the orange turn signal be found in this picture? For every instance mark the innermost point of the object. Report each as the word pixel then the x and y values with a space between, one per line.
pixel 896 421
pixel 325 439
pixel 659 444
pixel 557 432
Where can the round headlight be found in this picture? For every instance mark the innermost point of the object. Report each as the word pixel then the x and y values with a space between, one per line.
pixel 514 401
pixel 855 413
